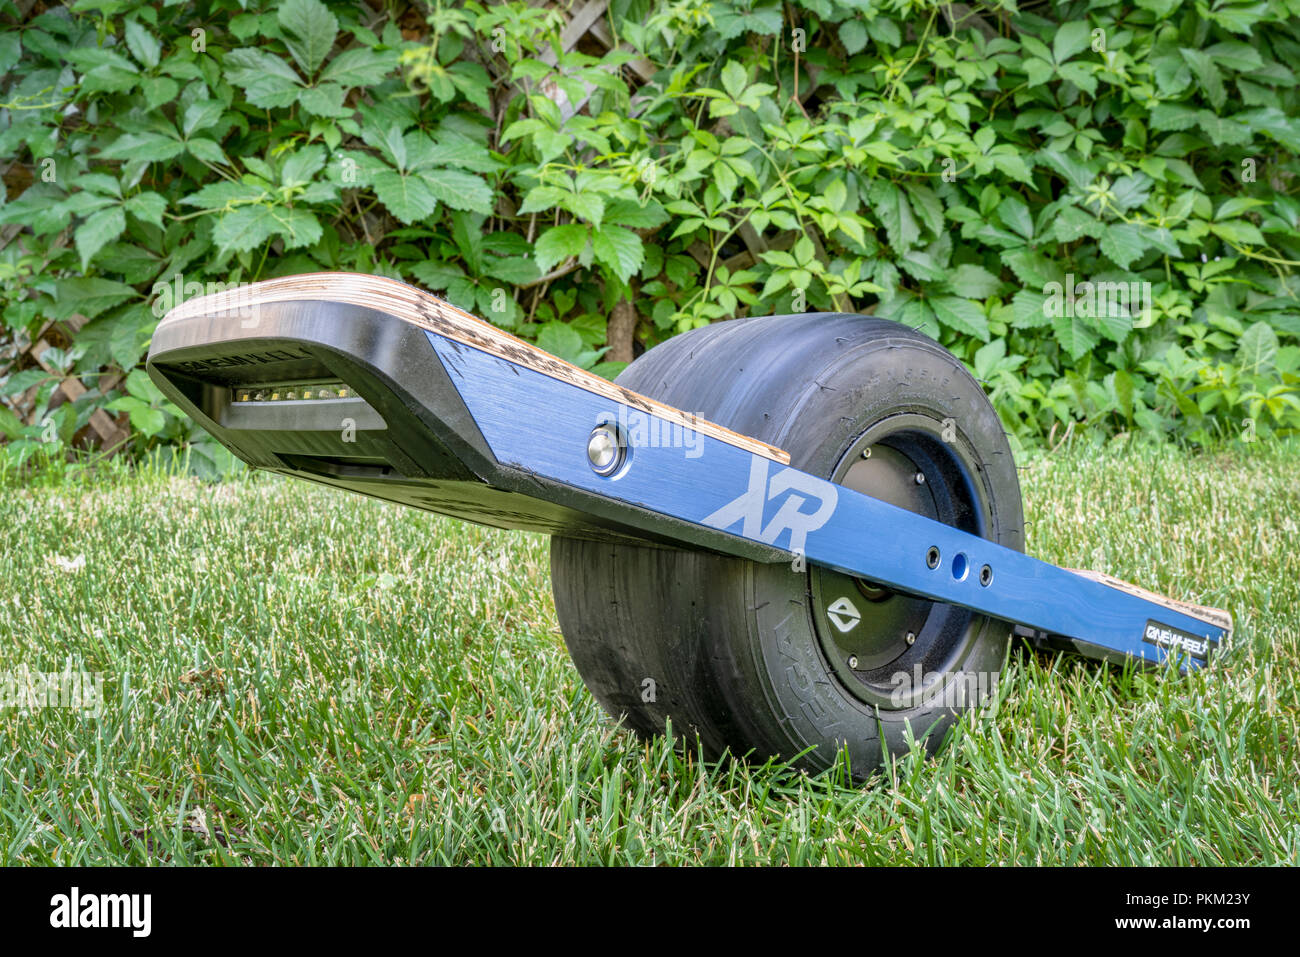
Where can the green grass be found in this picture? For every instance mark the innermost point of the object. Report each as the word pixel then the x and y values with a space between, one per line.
pixel 392 687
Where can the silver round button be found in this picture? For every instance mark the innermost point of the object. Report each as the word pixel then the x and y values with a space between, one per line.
pixel 605 451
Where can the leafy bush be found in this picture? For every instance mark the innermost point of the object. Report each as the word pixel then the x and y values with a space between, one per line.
pixel 1091 203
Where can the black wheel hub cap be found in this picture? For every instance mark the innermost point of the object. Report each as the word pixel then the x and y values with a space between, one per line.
pixel 870 633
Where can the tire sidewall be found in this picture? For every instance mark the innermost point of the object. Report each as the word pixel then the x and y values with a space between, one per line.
pixel 786 660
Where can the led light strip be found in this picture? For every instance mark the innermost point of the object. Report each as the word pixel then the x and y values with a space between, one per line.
pixel 293 392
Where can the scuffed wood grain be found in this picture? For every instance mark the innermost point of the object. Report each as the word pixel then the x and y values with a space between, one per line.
pixel 413 305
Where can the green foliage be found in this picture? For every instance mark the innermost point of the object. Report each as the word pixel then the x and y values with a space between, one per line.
pixel 953 171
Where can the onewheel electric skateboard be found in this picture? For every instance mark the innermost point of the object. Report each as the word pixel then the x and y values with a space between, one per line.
pixel 790 534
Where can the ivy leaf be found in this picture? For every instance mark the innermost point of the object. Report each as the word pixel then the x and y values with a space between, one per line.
pixel 731 21
pixel 144 417
pixel 223 193
pixel 244 228
pixel 143 148
pixel 891 208
pixel 459 190
pixel 200 115
pixel 1223 130
pixel 560 339
pixel 618 248
pixel 11 51
pixel 89 297
pixel 625 212
pixel 267 80
pixel 462 152
pixel 558 244
pixel 20 382
pixel 974 282
pixel 1075 334
pixel 734 79
pixel 142 44
pixel 135 265
pixel 1114 325
pixel 159 90
pixel 1211 80
pixel 1032 268
pixel 1015 215
pixel 1161 238
pixel 1236 55
pixel 515 270
pixel 587 206
pixel 407 195
pixel 101 228
pixel 1173 116
pixel 324 100
pixel 541 198
pixel 920 265
pixel 302 165
pixel 437 275
pixel 1071 223
pixel 105 70
pixel 1285 129
pixel 1122 243
pixel 1257 349
pixel 1029 309
pixel 1172 75
pixel 854 36
pixel 1237 18
pixel 1131 191
pixel 142 387
pixel 313 27
pixel 1072 171
pixel 1012 165
pixel 391 143
pixel 108 186
pixel 1070 39
pixel 249 226
pixel 885 31
pixel 1038 71
pixel 988 357
pixel 148 207
pixel 927 206
pixel 1238 231
pixel 297 227
pixel 1161 8
pixel 360 66
pixel 1120 383
pixel 1082 75
pixel 961 314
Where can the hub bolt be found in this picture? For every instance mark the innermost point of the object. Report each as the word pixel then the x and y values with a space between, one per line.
pixel 911 638
pixel 853 661
pixel 920 478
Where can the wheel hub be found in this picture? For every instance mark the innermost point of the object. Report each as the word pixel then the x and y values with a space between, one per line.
pixel 871 633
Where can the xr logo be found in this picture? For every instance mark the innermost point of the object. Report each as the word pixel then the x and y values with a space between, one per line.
pixel 797 487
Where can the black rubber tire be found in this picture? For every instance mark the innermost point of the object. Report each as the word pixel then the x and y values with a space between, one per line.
pixel 729 648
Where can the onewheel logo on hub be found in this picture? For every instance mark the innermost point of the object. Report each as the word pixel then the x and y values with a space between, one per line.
pixel 1176 640
pixel 843 614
